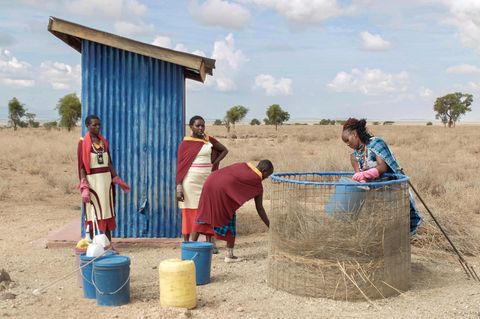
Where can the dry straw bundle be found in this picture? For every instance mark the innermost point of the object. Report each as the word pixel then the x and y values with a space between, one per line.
pixel 328 239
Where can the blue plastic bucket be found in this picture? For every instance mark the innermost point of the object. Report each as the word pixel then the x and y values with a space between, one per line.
pixel 201 254
pixel 111 279
pixel 86 272
pixel 347 200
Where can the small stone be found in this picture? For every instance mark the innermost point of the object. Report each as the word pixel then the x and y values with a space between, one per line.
pixel 240 309
pixel 13 306
pixel 36 292
pixel 187 313
pixel 154 267
pixel 59 298
pixel 4 276
pixel 7 296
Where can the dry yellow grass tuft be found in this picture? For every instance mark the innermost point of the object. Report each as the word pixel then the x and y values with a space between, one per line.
pixel 442 164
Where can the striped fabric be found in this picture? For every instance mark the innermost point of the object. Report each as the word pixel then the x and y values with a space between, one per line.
pixel 222 231
pixel 378 148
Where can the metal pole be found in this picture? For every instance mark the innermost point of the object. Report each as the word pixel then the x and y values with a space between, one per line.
pixel 467 268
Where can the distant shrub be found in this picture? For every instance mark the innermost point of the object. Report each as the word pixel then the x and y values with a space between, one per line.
pixel 255 122
pixel 388 123
pixel 341 122
pixel 326 122
pixel 50 125
pixel 376 123
pixel 23 124
pixel 429 123
pixel 300 124
pixel 218 122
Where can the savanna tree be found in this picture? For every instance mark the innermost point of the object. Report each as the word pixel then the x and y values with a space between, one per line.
pixel 276 116
pixel 31 120
pixel 255 122
pixel 69 108
pixel 234 115
pixel 16 111
pixel 451 107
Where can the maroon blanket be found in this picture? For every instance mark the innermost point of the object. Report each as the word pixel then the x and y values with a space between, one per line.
pixel 83 151
pixel 225 190
pixel 187 151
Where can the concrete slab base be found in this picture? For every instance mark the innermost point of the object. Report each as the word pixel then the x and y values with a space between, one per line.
pixel 69 235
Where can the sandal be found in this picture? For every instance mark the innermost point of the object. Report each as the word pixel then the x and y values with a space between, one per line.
pixel 233 259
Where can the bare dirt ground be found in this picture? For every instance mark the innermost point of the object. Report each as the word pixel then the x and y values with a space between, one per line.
pixel 35 201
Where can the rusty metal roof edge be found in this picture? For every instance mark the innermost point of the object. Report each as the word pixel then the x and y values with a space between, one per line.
pixel 71 33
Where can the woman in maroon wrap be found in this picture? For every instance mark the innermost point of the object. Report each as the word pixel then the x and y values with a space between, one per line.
pixel 97 177
pixel 223 193
pixel 198 155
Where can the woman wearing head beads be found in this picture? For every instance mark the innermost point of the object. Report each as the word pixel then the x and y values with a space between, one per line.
pixel 198 155
pixel 371 158
pixel 97 177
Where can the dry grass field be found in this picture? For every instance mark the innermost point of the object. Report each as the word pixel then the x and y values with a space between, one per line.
pixel 38 195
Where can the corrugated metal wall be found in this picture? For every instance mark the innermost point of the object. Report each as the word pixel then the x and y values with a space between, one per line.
pixel 140 101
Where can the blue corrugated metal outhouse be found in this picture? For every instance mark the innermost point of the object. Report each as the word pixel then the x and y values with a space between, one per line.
pixel 138 91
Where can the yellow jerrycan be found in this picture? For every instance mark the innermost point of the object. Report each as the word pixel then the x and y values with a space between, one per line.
pixel 177 283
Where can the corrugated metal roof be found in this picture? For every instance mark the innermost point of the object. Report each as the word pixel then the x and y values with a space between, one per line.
pixel 140 101
pixel 196 67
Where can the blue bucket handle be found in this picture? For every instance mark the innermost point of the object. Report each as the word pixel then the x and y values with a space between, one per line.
pixel 85 278
pixel 194 256
pixel 108 293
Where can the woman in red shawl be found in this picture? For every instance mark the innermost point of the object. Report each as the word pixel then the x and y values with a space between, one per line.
pixel 198 155
pixel 223 193
pixel 97 177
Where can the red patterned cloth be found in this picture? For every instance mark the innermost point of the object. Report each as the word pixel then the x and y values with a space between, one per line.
pixel 187 152
pixel 225 190
pixel 83 151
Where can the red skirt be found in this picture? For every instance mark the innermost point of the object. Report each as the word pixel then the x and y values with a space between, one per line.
pixel 204 229
pixel 103 224
pixel 207 230
pixel 188 220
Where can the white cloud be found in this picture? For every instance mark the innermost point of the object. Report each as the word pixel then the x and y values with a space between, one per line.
pixel 464 14
pixel 369 82
pixel 425 92
pixel 127 29
pixel 16 83
pixel 166 42
pixel 373 42
pixel 463 69
pixel 162 41
pixel 470 87
pixel 228 62
pixel 61 76
pixel 219 13
pixel 304 12
pixel 180 47
pixel 13 72
pixel 128 10
pixel 272 86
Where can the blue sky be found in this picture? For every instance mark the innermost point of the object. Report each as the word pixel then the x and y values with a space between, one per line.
pixel 316 58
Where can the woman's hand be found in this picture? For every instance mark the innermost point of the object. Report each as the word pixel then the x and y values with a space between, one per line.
pixel 179 195
pixel 370 174
pixel 84 190
pixel 118 181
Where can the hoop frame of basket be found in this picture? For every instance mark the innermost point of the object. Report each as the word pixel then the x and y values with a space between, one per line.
pixel 339 239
